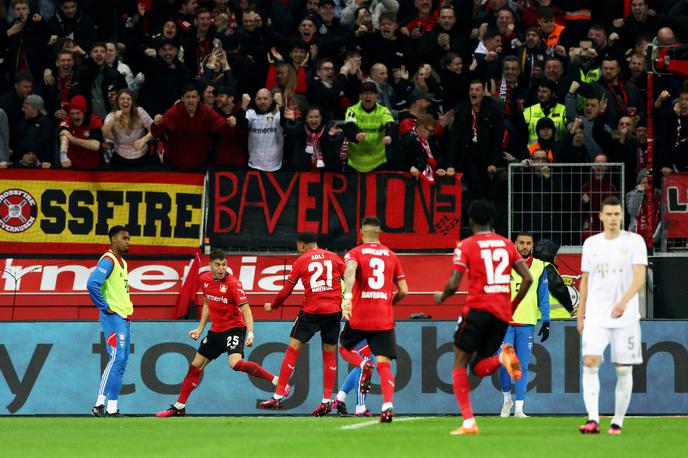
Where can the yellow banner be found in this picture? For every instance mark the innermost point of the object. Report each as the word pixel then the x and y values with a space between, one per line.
pixel 65 211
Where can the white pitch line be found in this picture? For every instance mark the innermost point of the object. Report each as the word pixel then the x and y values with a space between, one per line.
pixel 375 422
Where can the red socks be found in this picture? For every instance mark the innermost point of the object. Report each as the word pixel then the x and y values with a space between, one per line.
pixel 329 372
pixel 287 368
pixel 462 391
pixel 253 369
pixel 351 357
pixel 386 381
pixel 190 383
pixel 486 366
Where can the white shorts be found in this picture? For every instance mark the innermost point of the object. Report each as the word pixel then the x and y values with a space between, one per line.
pixel 625 342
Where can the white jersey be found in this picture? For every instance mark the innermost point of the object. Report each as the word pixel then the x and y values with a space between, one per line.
pixel 609 264
pixel 265 141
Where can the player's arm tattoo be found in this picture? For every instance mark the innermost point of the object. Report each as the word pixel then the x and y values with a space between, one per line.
pixel 350 276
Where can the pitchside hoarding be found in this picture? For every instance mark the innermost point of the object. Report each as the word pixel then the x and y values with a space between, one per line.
pixel 54 368
pixel 56 288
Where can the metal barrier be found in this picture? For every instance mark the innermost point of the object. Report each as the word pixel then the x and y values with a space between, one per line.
pixel 561 202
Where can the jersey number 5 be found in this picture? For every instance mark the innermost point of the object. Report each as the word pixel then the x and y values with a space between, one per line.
pixel 319 269
pixel 498 275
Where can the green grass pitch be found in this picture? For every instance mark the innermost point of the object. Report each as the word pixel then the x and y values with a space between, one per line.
pixel 304 437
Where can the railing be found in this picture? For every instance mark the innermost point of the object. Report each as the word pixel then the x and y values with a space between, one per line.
pixel 561 202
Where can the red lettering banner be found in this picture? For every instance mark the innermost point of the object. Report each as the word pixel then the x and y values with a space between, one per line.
pixel 257 210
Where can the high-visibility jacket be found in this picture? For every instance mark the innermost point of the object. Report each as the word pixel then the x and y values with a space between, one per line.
pixel 579 15
pixel 534 113
pixel 528 311
pixel 553 38
pixel 536 146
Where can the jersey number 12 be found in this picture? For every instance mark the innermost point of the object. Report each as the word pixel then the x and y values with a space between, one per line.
pixel 498 275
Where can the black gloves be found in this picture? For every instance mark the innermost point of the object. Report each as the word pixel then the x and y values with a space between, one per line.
pixel 544 332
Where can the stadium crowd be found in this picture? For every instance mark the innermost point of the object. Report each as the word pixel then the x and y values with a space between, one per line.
pixel 421 86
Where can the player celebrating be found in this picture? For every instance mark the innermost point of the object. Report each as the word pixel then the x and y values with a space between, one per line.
pixel 372 270
pixel 109 291
pixel 613 267
pixel 225 303
pixel 489 258
pixel 320 271
pixel 522 327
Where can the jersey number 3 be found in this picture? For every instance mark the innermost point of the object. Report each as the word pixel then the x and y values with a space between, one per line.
pixel 498 275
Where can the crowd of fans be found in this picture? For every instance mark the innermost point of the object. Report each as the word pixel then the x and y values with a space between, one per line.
pixel 430 87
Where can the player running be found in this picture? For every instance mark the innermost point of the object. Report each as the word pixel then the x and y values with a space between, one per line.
pixel 109 290
pixel 225 303
pixel 320 271
pixel 489 258
pixel 372 270
pixel 613 267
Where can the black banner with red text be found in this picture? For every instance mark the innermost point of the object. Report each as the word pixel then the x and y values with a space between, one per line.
pixel 257 210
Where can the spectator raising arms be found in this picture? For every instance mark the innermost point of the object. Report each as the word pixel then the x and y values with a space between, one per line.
pixel 128 127
pixel 189 125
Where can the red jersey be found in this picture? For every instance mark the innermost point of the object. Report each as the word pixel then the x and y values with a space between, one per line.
pixel 225 297
pixel 377 272
pixel 83 158
pixel 489 258
pixel 321 272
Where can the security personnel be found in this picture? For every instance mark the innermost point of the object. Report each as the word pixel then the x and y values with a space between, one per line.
pixel 108 287
pixel 522 327
pixel 551 31
pixel 547 107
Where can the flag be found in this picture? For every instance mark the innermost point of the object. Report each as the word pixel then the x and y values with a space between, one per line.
pixel 187 294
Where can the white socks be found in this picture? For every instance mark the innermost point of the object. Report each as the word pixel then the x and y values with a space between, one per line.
pixel 341 396
pixel 360 408
pixel 624 388
pixel 591 392
pixel 101 400
pixel 179 405
pixel 519 407
pixel 274 380
pixel 469 423
pixel 386 405
pixel 507 396
pixel 111 407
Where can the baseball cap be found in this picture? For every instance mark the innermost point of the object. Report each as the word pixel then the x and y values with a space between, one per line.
pixel 367 86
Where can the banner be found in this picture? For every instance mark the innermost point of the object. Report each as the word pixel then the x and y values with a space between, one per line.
pixel 251 209
pixel 70 212
pixel 55 289
pixel 675 200
pixel 34 358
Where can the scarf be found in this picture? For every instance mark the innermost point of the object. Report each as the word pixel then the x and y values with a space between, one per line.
pixel 427 174
pixel 313 145
pixel 505 95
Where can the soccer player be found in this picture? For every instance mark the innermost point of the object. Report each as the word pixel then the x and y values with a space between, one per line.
pixel 320 271
pixel 489 258
pixel 372 271
pixel 353 382
pixel 109 291
pixel 522 326
pixel 613 268
pixel 225 303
